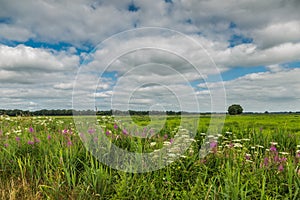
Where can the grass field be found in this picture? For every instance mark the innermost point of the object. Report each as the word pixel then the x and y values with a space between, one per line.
pixel 252 157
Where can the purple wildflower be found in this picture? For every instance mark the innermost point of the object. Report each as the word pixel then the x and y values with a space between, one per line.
pixel 213 144
pixel 125 132
pixel 5 145
pixel 115 126
pixel 273 148
pixel 280 168
pixel 283 159
pixel 49 137
pixel 31 130
pixel 69 143
pixel 36 140
pixel 276 158
pixel 18 139
pixel 107 132
pixel 30 142
pixel 91 131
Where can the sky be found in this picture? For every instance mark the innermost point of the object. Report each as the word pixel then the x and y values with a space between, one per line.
pixel 150 55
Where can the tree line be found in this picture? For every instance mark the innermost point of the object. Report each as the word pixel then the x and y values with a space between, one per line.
pixel 69 112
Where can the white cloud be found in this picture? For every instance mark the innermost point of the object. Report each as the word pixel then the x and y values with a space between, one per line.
pixel 45 77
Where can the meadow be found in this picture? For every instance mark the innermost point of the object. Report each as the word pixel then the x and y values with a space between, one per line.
pixel 252 157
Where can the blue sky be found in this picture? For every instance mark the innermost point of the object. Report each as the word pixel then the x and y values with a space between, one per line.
pixel 248 49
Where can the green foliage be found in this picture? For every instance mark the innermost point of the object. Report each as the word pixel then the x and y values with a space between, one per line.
pixel 57 165
pixel 235 109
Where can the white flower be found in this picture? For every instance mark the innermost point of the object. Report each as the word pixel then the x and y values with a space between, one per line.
pixel 245 139
pixel 284 153
pixel 152 144
pixel 273 143
pixel 239 145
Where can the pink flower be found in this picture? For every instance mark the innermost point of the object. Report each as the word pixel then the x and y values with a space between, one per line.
pixel 166 136
pixel 5 145
pixel 69 143
pixel 18 139
pixel 31 130
pixel 91 131
pixel 36 140
pixel 49 137
pixel 283 159
pixel 273 148
pixel 280 168
pixel 115 126
pixel 276 158
pixel 125 132
pixel 213 144
pixel 30 142
pixel 107 133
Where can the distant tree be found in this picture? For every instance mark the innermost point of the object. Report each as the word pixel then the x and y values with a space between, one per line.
pixel 235 109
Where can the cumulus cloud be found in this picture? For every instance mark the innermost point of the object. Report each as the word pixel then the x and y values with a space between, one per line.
pixel 268 34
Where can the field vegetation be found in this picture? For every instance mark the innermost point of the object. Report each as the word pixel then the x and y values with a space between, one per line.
pixel 251 157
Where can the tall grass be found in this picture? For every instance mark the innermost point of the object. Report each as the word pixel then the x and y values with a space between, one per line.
pixel 256 157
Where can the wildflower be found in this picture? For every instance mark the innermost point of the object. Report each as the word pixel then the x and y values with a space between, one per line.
pixel 18 139
pixel 152 144
pixel 125 132
pixel 31 130
pixel 69 143
pixel 167 143
pixel 91 131
pixel 273 148
pixel 213 144
pixel 166 136
pixel 298 146
pixel 247 156
pixel 280 168
pixel 5 145
pixel 49 137
pixel 203 134
pixel 266 161
pixel 36 140
pixel 283 159
pixel 30 142
pixel 115 126
pixel 95 139
pixel 276 158
pixel 107 132
pixel 238 145
pixel 171 140
pixel 284 153
pixel 298 154
pixel 273 143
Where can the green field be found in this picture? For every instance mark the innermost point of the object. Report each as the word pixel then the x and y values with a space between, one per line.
pixel 252 157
